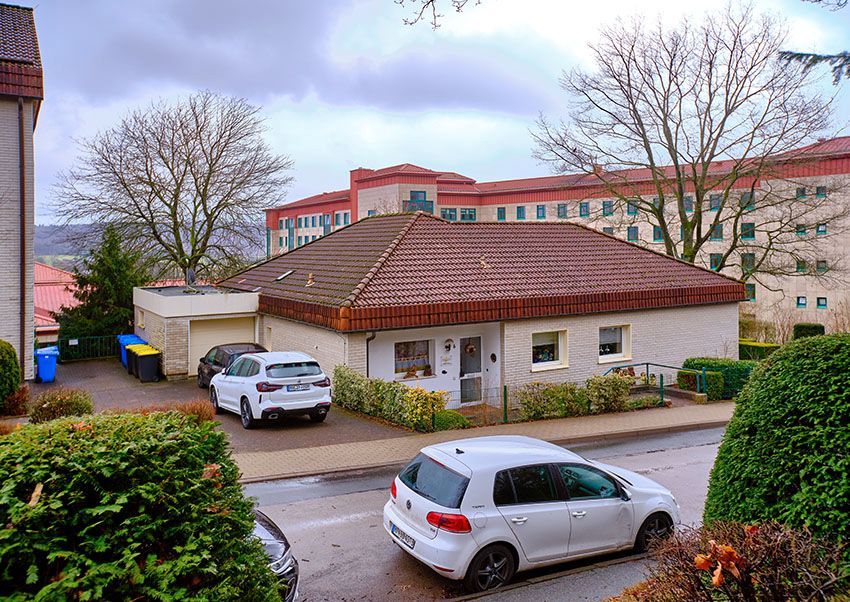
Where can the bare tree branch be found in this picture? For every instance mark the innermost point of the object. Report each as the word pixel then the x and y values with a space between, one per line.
pixel 430 7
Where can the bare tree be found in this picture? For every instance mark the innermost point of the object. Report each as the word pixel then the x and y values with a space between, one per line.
pixel 431 8
pixel 839 62
pixel 703 111
pixel 182 183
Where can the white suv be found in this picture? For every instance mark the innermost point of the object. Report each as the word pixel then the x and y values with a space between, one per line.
pixel 271 385
pixel 481 509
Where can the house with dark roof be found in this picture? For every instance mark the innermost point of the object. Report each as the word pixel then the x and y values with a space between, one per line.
pixel 21 93
pixel 468 307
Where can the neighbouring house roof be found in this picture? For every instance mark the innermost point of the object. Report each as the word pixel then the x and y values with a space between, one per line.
pixel 53 288
pixel 400 271
pixel 20 60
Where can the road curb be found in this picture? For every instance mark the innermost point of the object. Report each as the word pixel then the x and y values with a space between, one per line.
pixel 601 437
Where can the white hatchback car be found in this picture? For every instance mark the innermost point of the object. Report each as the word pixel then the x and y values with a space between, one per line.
pixel 271 385
pixel 482 509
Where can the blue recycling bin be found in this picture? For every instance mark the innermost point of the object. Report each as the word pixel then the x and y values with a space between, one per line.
pixel 46 359
pixel 128 339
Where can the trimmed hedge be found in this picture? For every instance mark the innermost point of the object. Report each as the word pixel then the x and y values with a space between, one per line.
pixel 735 372
pixel 10 373
pixel 808 329
pixel 713 383
pixel 59 402
pixel 608 393
pixel 538 401
pixel 755 350
pixel 784 454
pixel 449 420
pixel 413 407
pixel 126 507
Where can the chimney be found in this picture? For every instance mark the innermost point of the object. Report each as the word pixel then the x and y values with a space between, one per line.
pixel 354 176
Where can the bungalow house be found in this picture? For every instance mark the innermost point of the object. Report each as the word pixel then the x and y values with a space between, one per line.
pixel 468 307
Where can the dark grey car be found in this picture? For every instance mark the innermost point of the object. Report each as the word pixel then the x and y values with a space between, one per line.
pixel 220 357
pixel 281 561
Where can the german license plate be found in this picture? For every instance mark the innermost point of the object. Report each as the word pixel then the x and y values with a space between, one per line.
pixel 402 536
pixel 297 387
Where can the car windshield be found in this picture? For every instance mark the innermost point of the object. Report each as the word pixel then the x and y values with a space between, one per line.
pixel 293 370
pixel 434 482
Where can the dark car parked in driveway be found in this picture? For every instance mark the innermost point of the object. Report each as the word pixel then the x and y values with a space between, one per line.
pixel 281 561
pixel 220 357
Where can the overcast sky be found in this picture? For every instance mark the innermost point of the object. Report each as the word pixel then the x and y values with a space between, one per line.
pixel 344 83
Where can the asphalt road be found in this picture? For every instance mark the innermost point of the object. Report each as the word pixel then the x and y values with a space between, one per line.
pixel 334 524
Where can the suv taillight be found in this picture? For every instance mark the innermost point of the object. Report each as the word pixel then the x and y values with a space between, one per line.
pixel 453 523
pixel 268 387
pixel 393 491
pixel 325 382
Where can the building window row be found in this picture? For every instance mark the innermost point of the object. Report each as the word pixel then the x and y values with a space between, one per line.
pixel 820 302
pixel 550 349
pixel 804 192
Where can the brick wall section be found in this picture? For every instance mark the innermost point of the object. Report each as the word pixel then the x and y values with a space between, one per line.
pixel 662 336
pixel 10 288
pixel 327 346
pixel 171 336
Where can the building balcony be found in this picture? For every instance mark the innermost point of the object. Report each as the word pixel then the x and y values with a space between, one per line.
pixel 413 206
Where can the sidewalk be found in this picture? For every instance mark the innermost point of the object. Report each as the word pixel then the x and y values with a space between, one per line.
pixel 265 466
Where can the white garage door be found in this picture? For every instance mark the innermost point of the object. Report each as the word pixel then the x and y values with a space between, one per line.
pixel 204 334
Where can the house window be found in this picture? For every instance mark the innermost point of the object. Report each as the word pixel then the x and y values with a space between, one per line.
pixel 748 231
pixel 631 208
pixel 748 262
pixel 548 349
pixel 412 357
pixel 801 303
pixel 717 232
pixel 820 266
pixel 656 202
pixel 541 211
pixel 608 230
pixel 614 342
pixel 300 222
pixel 821 230
pixel 801 192
pixel 681 231
pixel 751 291
pixel 688 202
pixel 714 260
pixel 280 224
pixel 280 241
pixel 371 212
pixel 500 214
pixel 449 214
pixel 346 218
pixel 313 222
pixel 801 266
pixel 562 210
pixel 584 209
pixel 520 212
pixel 714 202
pixel 299 241
pixel 632 233
pixel 747 201
pixel 417 195
pixel 821 302
pixel 467 214
pixel 801 230
pixel 820 192
pixel 657 234
pixel 337 219
pixel 607 207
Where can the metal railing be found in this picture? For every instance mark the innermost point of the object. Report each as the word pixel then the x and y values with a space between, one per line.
pixel 700 374
pixel 413 206
pixel 88 348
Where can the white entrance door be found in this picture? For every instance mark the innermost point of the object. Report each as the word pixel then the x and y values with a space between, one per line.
pixel 470 369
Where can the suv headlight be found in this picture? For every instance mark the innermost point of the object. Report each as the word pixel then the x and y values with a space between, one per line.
pixel 282 563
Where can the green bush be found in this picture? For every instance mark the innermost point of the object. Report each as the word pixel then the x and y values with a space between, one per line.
pixel 59 402
pixel 448 420
pixel 10 373
pixel 608 393
pixel 735 372
pixel 784 454
pixel 713 383
pixel 126 507
pixel 754 350
pixel 642 403
pixel 551 400
pixel 808 329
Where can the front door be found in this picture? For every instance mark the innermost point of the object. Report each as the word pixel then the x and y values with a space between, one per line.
pixel 470 369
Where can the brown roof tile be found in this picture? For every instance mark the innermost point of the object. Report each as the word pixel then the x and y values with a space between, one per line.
pixel 20 59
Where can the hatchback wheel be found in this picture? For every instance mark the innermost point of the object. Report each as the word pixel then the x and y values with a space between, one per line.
pixel 248 421
pixel 492 567
pixel 656 526
pixel 214 400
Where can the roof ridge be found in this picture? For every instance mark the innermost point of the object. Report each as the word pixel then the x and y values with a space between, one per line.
pixel 352 297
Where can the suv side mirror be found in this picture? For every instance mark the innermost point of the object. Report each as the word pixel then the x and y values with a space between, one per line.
pixel 625 495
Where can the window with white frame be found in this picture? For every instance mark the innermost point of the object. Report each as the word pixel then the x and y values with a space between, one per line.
pixel 548 349
pixel 413 358
pixel 614 342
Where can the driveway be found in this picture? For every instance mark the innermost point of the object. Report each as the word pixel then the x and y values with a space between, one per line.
pixel 111 387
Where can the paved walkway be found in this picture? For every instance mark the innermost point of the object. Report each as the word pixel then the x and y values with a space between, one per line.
pixel 322 459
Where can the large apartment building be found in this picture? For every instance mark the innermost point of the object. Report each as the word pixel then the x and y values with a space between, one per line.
pixel 819 172
pixel 21 93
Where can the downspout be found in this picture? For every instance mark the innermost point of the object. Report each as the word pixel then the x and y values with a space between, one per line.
pixel 371 337
pixel 22 187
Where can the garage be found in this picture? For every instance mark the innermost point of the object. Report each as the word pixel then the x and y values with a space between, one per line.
pixel 204 334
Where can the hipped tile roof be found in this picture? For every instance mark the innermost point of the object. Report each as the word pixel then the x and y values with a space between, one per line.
pixel 410 270
pixel 20 59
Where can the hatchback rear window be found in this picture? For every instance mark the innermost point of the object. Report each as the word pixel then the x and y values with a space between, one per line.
pixel 293 370
pixel 434 482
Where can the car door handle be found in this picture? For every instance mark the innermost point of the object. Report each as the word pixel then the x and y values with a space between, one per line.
pixel 519 520
pixel 579 514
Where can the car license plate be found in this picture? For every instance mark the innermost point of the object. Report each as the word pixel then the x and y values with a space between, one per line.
pixel 402 536
pixel 297 387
